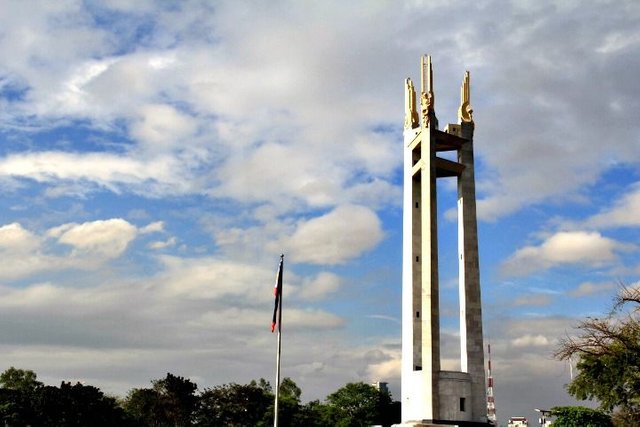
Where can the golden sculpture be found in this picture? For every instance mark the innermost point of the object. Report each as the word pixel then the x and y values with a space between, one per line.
pixel 427 100
pixel 465 112
pixel 410 111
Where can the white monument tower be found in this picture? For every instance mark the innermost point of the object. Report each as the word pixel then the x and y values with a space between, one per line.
pixel 431 396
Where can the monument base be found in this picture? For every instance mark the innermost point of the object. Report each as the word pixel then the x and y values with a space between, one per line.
pixel 416 424
pixel 440 423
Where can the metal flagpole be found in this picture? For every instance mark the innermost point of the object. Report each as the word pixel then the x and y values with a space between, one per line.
pixel 280 273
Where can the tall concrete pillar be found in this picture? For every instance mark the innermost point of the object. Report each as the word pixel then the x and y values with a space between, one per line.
pixel 430 395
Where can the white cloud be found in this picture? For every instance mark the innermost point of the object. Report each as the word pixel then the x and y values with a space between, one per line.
pixel 93 243
pixel 114 172
pixel 258 84
pixel 107 238
pixel 202 278
pixel 530 341
pixel 533 300
pixel 275 171
pixel 22 253
pixel 589 288
pixel 387 369
pixel 162 244
pixel 342 234
pixel 154 227
pixel 565 247
pixel 320 286
pixel 625 212
pixel 163 127
pixel 13 237
pixel 311 318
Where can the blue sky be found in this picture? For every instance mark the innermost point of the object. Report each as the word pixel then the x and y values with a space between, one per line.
pixel 157 157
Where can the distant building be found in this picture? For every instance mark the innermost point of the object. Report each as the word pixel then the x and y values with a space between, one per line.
pixel 381 386
pixel 518 422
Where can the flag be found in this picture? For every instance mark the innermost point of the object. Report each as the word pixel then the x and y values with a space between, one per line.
pixel 277 291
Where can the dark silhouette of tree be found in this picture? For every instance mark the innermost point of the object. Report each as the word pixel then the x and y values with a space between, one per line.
pixel 315 414
pixel 78 405
pixel 234 405
pixel 179 400
pixel 171 402
pixel 145 406
pixel 18 391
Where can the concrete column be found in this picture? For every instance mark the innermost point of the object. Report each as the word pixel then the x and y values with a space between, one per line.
pixel 429 284
pixel 472 347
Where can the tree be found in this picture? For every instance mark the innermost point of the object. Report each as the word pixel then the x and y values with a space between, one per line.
pixel 289 407
pixel 315 414
pixel 359 404
pixel 145 406
pixel 24 401
pixel 77 405
pixel 17 394
pixel 578 416
pixel 171 402
pixel 608 358
pixel 19 379
pixel 234 405
pixel 178 397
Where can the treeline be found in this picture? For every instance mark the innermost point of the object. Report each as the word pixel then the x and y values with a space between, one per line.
pixel 176 401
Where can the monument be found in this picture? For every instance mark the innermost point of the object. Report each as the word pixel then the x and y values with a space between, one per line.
pixel 431 396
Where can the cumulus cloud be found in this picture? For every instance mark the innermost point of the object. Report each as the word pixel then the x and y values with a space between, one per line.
pixel 163 127
pixel 565 247
pixel 530 341
pixel 153 227
pixel 387 369
pixel 27 253
pixel 334 238
pixel 110 171
pixel 22 253
pixel 206 278
pixel 589 288
pixel 263 95
pixel 163 244
pixel 14 237
pixel 108 238
pixel 220 310
pixel 320 286
pixel 625 212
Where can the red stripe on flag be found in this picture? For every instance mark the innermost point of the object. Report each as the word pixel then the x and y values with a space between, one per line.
pixel 277 291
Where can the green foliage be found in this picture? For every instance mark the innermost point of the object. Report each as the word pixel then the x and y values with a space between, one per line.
pixel 19 379
pixel 77 405
pixel 233 405
pixel 174 402
pixel 145 406
pixel 289 390
pixel 608 355
pixel 578 416
pixel 178 399
pixel 358 404
pixel 288 404
pixel 24 401
pixel 171 402
pixel 314 414
pixel 613 378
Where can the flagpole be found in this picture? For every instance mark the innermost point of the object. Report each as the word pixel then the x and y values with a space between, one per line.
pixel 279 351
